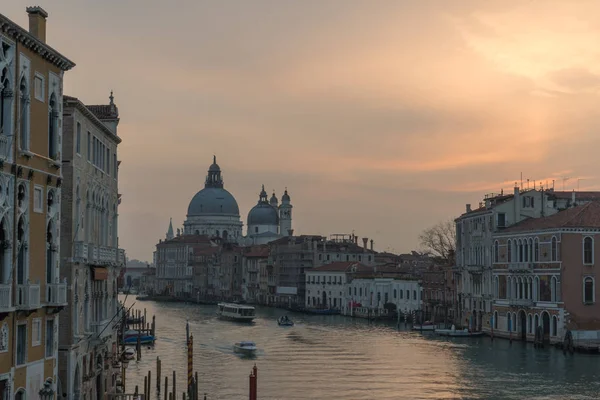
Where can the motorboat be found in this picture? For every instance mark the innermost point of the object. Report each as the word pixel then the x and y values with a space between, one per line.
pixel 457 333
pixel 245 347
pixel 129 353
pixel 236 312
pixel 285 321
pixel 426 326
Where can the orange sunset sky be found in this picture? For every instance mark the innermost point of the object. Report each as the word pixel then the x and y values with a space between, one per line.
pixel 381 117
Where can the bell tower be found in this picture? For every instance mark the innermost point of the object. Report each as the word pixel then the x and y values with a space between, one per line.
pixel 285 214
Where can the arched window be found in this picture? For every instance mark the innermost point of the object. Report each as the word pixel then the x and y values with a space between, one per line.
pixel 520 251
pixel 530 249
pixel 554 253
pixel 20 394
pixel 588 290
pixel 554 330
pixel 5 108
pixel 536 250
pixel 395 293
pixel 509 251
pixel 530 323
pixel 22 253
pixel 53 128
pixel 496 251
pixel 588 250
pixel 24 115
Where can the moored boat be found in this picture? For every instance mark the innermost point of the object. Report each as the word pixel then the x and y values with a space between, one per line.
pixel 235 312
pixel 457 333
pixel 245 347
pixel 144 339
pixel 426 326
pixel 285 321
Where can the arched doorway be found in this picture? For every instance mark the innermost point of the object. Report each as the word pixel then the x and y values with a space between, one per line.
pixel 523 325
pixel 4 265
pixel 546 326
pixel 324 299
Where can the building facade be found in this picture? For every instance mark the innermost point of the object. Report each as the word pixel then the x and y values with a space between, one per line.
pixel 32 290
pixel 90 256
pixel 545 276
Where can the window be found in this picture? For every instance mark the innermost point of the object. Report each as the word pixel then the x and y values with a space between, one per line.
pixel 501 220
pixel 554 249
pixel 53 128
pixel 50 338
pixel 496 251
pixel 509 251
pixel 38 86
pixel 588 290
pixel 24 115
pixel 115 165
pixel 38 199
pixel 21 344
pixel 588 250
pixel 89 146
pixel 36 332
pixel 78 139
pixel 536 250
pixel 395 293
pixel 107 165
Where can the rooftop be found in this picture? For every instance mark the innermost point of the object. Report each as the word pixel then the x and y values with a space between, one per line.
pixel 341 266
pixel 584 216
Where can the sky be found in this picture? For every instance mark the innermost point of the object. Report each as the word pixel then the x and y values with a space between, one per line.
pixel 380 117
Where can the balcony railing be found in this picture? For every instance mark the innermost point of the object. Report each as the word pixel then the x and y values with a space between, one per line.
pixel 56 294
pixel 521 267
pixel 100 255
pixel 6 298
pixel 28 296
pixel 520 302
pixel 103 329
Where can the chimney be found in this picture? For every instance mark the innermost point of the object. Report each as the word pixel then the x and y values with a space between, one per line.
pixel 365 240
pixel 371 244
pixel 290 232
pixel 468 208
pixel 573 204
pixel 356 240
pixel 37 22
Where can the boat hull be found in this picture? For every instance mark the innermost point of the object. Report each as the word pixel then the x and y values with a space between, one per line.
pixel 145 339
pixel 423 328
pixel 235 318
pixel 290 323
pixel 455 333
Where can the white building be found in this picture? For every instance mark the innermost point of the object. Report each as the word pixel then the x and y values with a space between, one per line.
pixel 326 285
pixel 90 257
pixel 374 293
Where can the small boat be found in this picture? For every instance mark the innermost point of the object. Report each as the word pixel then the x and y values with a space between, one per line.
pixel 426 326
pixel 129 353
pixel 144 339
pixel 245 347
pixel 457 333
pixel 235 312
pixel 285 321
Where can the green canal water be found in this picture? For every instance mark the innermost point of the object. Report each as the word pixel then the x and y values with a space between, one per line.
pixel 335 357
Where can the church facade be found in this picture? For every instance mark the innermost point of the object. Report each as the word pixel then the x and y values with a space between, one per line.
pixel 214 212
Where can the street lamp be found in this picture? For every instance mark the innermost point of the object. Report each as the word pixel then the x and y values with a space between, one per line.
pixel 47 393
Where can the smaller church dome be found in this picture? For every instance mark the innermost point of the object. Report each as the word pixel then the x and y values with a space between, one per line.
pixel 273 201
pixel 285 197
pixel 214 167
pixel 263 213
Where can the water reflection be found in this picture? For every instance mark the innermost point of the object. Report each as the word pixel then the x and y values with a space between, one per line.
pixel 333 357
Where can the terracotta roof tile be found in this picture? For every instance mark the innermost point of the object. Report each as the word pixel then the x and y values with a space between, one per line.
pixel 581 196
pixel 584 216
pixel 103 111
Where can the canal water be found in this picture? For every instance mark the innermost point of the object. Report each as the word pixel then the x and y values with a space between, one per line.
pixel 335 357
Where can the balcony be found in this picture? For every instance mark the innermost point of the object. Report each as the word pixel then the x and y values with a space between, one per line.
pixel 56 294
pixel 120 257
pixel 102 329
pixel 520 302
pixel 98 255
pixel 6 298
pixel 28 297
pixel 80 252
pixel 521 267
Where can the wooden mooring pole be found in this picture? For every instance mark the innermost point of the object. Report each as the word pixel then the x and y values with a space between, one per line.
pixel 158 374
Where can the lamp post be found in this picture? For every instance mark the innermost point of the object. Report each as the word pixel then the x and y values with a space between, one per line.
pixel 47 393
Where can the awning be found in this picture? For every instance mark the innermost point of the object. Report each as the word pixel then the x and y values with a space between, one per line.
pixel 100 274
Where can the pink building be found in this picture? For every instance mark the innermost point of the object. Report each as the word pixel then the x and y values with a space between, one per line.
pixel 544 272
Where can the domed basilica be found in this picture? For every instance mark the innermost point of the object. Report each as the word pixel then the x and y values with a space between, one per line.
pixel 214 211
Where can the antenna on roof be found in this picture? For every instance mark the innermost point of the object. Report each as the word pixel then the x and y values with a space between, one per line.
pixel 521 181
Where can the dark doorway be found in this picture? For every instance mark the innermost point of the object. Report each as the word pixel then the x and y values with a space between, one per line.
pixel 546 326
pixel 523 327
pixel 324 299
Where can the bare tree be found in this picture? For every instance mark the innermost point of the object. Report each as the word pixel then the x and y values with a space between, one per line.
pixel 440 240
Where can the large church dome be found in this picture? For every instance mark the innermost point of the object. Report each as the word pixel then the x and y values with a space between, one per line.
pixel 213 199
pixel 263 213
